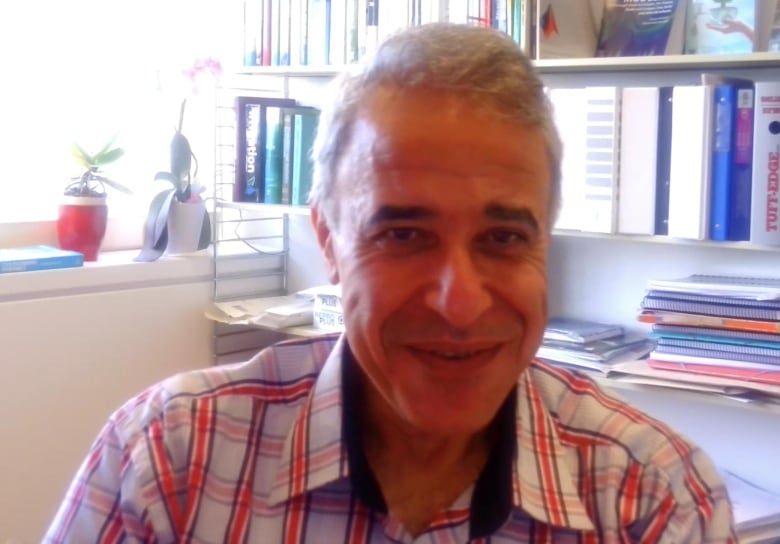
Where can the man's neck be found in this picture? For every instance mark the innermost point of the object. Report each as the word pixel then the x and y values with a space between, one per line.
pixel 420 474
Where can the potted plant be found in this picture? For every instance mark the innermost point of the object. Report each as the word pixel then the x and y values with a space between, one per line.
pixel 177 221
pixel 81 223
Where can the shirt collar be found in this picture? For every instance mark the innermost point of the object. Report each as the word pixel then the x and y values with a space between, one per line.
pixel 323 446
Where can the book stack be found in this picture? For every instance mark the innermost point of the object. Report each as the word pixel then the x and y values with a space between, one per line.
pixel 717 326
pixel 590 345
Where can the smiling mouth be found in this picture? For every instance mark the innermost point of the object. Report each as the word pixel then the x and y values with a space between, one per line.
pixel 455 354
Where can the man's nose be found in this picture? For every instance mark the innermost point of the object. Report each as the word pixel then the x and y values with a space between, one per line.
pixel 458 289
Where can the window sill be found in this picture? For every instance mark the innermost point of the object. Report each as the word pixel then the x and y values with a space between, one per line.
pixel 113 271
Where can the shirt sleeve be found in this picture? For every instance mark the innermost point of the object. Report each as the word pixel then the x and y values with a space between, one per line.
pixel 688 503
pixel 129 487
pixel 95 508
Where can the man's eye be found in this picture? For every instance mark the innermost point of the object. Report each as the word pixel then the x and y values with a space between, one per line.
pixel 402 235
pixel 507 237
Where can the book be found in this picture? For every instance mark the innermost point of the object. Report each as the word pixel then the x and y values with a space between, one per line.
pixel 704 307
pixel 690 161
pixel 638 160
pixel 602 148
pixel 732 157
pixel 682 354
pixel 696 320
pixel 718 26
pixel 631 28
pixel 580 331
pixel 38 257
pixel 721 285
pixel 747 374
pixel 251 128
pixel 715 335
pixel 735 349
pixel 719 300
pixel 568 29
pixel 663 156
pixel 570 118
pixel 304 131
pixel 764 210
pixel 248 113
pixel 273 158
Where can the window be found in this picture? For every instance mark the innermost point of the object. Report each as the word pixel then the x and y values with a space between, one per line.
pixel 84 70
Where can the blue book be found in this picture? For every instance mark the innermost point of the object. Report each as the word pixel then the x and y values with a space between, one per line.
pixel 722 158
pixel 732 153
pixel 42 257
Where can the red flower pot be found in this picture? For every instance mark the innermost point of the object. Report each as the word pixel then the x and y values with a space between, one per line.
pixel 81 224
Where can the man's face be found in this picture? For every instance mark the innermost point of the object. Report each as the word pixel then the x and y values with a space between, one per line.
pixel 440 247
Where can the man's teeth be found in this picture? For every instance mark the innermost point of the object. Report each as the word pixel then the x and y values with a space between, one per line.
pixel 455 355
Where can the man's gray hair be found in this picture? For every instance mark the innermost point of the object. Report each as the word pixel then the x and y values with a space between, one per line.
pixel 484 66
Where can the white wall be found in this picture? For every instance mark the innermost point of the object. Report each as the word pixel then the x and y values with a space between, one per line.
pixel 67 363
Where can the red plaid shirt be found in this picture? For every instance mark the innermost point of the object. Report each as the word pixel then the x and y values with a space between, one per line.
pixel 255 453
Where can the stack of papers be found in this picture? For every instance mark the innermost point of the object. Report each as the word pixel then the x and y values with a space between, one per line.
pixel 271 312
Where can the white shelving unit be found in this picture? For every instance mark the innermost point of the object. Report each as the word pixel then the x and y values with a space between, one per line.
pixel 597 276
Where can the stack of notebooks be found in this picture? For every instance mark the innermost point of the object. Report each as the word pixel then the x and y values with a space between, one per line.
pixel 590 345
pixel 718 326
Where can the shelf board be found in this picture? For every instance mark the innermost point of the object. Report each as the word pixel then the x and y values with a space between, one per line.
pixel 660 62
pixel 590 64
pixel 260 207
pixel 647 239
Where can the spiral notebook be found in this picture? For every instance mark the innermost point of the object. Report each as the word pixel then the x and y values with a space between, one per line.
pixel 723 285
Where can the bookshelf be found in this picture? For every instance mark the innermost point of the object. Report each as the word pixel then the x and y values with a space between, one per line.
pixel 591 275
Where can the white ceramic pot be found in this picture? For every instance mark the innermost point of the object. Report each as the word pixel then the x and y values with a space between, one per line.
pixel 185 220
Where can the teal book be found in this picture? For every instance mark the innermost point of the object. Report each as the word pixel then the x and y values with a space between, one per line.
pixel 304 131
pixel 41 257
pixel 274 156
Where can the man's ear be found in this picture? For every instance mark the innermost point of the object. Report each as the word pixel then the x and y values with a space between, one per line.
pixel 325 240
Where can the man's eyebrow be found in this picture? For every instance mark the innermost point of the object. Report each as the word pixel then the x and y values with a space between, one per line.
pixel 399 213
pixel 517 215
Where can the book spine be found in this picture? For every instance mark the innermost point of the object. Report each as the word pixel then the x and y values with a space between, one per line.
pixel 266 36
pixel 247 128
pixel 663 160
pixel 48 263
pixel 764 227
pixel 722 153
pixel 273 159
pixel 738 359
pixel 742 169
pixel 637 177
pixel 253 27
pixel 599 213
pixel 721 347
pixel 689 170
pixel 708 308
pixel 304 130
pixel 653 317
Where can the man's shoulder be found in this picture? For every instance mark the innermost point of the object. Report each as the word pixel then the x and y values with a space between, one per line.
pixel 283 373
pixel 582 408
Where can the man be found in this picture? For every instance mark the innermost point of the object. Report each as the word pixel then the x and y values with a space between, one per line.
pixel 436 187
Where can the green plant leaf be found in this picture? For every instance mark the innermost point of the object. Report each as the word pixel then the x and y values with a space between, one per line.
pixel 82 157
pixel 205 231
pixel 156 227
pixel 181 157
pixel 107 157
pixel 166 176
pixel 108 145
